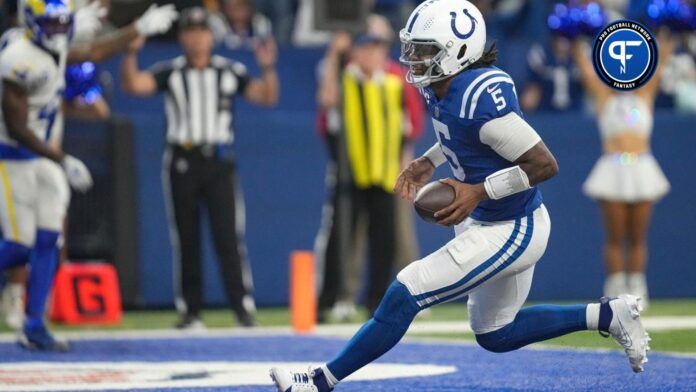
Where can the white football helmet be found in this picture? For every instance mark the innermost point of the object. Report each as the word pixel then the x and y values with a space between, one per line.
pixel 441 38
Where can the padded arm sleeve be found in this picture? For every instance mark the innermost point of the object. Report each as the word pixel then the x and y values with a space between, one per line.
pixel 509 136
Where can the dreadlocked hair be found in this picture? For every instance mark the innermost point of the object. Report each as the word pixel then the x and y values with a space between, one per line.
pixel 489 57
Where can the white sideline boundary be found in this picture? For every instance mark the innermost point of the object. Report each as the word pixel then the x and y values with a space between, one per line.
pixel 415 333
pixel 421 327
pixel 285 331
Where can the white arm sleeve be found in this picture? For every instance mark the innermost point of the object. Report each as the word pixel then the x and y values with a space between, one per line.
pixel 510 136
pixel 435 155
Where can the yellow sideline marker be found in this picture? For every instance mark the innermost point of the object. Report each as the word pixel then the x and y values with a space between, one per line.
pixel 303 305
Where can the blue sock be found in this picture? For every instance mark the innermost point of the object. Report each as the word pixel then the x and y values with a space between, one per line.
pixel 321 381
pixel 605 315
pixel 12 254
pixel 42 262
pixel 389 324
pixel 535 324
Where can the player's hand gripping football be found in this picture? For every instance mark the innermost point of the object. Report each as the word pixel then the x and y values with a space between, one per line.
pixel 413 177
pixel 466 198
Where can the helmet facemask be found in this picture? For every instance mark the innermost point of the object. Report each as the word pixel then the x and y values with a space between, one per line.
pixel 429 61
pixel 52 32
pixel 441 39
pixel 423 59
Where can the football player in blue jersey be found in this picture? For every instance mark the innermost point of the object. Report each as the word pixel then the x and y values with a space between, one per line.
pixel 501 224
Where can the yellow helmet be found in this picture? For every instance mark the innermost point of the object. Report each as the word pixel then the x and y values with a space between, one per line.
pixel 49 22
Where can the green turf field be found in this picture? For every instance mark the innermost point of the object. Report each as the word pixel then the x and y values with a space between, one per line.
pixel 676 341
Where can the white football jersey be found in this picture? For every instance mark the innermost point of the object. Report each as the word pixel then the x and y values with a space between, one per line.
pixel 42 75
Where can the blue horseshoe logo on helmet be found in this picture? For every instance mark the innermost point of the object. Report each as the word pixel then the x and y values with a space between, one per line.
pixel 454 25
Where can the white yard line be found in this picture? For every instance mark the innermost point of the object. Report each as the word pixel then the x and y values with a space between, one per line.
pixel 417 333
pixel 419 328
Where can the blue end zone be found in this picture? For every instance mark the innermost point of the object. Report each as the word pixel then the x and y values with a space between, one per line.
pixel 478 370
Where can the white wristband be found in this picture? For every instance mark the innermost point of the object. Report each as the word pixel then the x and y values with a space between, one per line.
pixel 435 155
pixel 506 182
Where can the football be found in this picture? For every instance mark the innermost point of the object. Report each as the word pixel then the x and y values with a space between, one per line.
pixel 432 198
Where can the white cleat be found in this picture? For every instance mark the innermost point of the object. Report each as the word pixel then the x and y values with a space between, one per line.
pixel 287 381
pixel 628 331
pixel 344 311
pixel 14 316
pixel 13 306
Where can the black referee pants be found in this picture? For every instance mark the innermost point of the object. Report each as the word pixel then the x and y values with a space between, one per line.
pixel 197 179
pixel 379 208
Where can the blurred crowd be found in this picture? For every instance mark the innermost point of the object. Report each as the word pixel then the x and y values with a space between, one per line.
pixel 535 55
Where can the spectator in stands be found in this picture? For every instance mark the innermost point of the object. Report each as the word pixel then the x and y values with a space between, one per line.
pixel 396 11
pixel 281 15
pixel 238 25
pixel 679 78
pixel 359 82
pixel 211 5
pixel 626 180
pixel 511 21
pixel 554 81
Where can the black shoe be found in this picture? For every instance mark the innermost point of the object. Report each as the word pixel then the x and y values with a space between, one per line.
pixel 190 323
pixel 322 317
pixel 246 320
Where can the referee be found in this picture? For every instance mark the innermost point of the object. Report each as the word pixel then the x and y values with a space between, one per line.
pixel 198 170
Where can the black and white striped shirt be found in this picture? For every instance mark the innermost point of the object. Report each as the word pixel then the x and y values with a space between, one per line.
pixel 199 101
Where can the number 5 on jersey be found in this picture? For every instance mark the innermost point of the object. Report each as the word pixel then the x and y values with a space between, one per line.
pixel 443 134
pixel 496 94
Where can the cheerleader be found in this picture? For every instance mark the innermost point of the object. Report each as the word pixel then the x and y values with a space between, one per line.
pixel 626 181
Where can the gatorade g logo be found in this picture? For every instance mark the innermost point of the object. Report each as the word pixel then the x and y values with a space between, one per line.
pixel 89 300
pixel 625 55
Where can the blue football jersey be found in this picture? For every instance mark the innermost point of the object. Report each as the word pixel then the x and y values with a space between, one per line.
pixel 475 97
